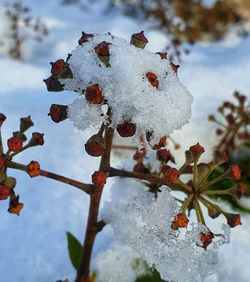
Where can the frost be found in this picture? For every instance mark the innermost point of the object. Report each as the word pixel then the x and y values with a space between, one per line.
pixel 143 223
pixel 126 88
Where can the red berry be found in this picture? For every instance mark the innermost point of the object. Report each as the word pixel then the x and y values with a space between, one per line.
pixel 162 143
pixel 15 144
pixel 94 94
pixel 95 146
pixel 33 169
pixel 99 178
pixel 5 192
pixel 126 129
pixel 164 155
pixel 170 174
pixel 153 79
pixel 139 154
pixel 206 239
pixel 37 138
pixel 235 172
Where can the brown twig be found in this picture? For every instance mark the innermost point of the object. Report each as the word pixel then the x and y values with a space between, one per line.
pixel 93 226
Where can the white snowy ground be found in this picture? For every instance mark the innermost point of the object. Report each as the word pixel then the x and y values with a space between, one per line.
pixel 33 245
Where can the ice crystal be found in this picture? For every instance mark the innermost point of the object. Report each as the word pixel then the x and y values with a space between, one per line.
pixel 127 89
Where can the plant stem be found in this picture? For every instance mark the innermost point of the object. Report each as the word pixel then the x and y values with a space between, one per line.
pixel 148 177
pixel 93 226
pixel 87 188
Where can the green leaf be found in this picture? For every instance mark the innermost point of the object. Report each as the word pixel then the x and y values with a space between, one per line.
pixel 75 250
pixel 153 277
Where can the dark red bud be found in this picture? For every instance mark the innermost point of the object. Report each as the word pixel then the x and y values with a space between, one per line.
pixel 126 129
pixel 93 94
pixel 102 49
pixel 163 55
pixel 15 144
pixel 233 219
pixel 153 79
pixel 140 168
pixel 180 221
pixel 25 123
pixel 95 146
pixel 197 149
pixel 58 113
pixel 37 139
pixel 53 84
pixel 57 67
pixel 85 38
pixel 139 154
pixel 174 67
pixel 206 239
pixel 139 40
pixel 170 174
pixel 99 178
pixel 5 192
pixel 235 172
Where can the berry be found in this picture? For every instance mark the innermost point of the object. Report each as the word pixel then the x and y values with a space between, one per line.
pixel 140 168
pixel 174 67
pixel 102 49
pixel 162 143
pixel 25 123
pixel 126 129
pixel 196 149
pixel 153 79
pixel 164 155
pixel 37 139
pixel 57 67
pixel 139 154
pixel 53 84
pixel 15 144
pixel 33 169
pixel 99 178
pixel 163 55
pixel 233 219
pixel 94 94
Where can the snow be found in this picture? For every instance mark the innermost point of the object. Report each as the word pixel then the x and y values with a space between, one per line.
pixel 33 245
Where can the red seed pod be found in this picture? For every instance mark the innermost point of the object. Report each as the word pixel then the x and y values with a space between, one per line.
pixel 58 113
pixel 174 67
pixel 25 123
pixel 233 219
pixel 2 162
pixel 170 174
pixel 99 178
pixel 235 172
pixel 33 169
pixel 230 119
pixel 164 155
pixel 219 132
pixel 53 84
pixel 5 192
pixel 57 67
pixel 162 143
pixel 15 206
pixel 197 149
pixel 180 221
pixel 15 144
pixel 2 119
pixel 139 40
pixel 140 168
pixel 95 146
pixel 102 49
pixel 93 94
pixel 139 154
pixel 228 105
pixel 163 55
pixel 126 129
pixel 220 157
pixel 37 139
pixel 238 191
pixel 85 38
pixel 206 239
pixel 153 79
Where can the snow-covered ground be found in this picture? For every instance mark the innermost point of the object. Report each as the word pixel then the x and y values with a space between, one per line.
pixel 33 245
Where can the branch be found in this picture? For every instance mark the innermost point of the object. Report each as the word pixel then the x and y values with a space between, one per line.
pixel 87 188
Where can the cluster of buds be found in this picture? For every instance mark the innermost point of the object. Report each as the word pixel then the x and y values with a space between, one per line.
pixel 94 93
pixel 205 181
pixel 234 124
pixel 16 144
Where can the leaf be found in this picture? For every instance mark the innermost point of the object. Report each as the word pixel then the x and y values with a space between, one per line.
pixel 75 249
pixel 153 277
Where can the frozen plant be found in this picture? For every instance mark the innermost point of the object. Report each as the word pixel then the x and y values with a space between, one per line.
pixel 125 88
